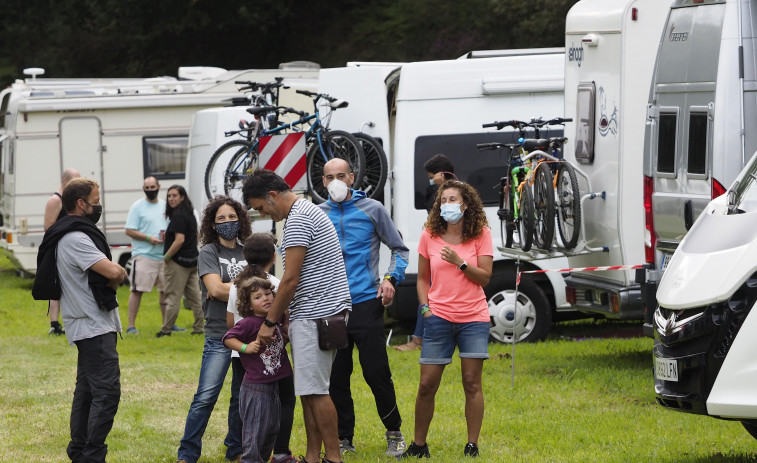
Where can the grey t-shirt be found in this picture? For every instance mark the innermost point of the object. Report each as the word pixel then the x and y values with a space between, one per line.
pixel 226 262
pixel 82 317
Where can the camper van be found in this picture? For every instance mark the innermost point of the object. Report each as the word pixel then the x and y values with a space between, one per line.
pixel 420 109
pixel 116 131
pixel 700 119
pixel 704 360
pixel 609 62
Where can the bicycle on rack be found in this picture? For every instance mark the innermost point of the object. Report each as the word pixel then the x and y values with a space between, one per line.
pixel 241 156
pixel 376 166
pixel 527 193
pixel 556 190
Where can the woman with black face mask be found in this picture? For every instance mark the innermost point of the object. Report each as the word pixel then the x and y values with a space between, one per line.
pixel 225 225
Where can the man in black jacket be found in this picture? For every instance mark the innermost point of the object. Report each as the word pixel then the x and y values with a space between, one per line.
pixel 87 280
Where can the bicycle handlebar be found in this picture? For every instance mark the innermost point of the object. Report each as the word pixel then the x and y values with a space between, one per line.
pixel 264 87
pixel 330 99
pixel 516 124
pixel 541 123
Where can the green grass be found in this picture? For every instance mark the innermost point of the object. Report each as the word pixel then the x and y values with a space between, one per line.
pixel 572 401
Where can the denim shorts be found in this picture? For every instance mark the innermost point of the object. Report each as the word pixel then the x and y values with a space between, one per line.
pixel 440 337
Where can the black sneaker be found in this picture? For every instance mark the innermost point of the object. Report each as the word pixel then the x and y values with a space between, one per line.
pixel 417 451
pixel 160 334
pixel 471 450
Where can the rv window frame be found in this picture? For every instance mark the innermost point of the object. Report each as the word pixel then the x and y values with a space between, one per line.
pixel 699 111
pixel 591 89
pixel 667 111
pixel 147 168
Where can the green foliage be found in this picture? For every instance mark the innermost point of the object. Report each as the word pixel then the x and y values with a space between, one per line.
pixel 572 401
pixel 143 38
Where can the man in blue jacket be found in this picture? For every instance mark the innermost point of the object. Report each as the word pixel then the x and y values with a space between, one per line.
pixel 362 224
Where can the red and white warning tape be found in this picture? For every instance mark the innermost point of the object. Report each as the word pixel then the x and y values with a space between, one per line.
pixel 583 269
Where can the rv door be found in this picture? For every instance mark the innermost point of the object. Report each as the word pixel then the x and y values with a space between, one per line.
pixel 81 148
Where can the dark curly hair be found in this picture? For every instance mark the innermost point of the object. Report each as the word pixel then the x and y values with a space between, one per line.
pixel 474 217
pixel 259 250
pixel 208 233
pixel 245 288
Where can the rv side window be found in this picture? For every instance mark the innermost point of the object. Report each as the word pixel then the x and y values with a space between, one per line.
pixel 697 143
pixel 666 143
pixel 165 157
pixel 585 123
pixel 481 169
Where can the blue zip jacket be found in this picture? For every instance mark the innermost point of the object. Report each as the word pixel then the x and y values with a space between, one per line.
pixel 362 225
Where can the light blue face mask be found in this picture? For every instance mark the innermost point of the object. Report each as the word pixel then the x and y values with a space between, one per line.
pixel 452 213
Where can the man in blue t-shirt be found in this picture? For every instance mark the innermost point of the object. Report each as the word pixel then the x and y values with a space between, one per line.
pixel 145 225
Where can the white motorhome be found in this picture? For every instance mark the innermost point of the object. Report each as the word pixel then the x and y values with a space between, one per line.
pixel 424 108
pixel 116 131
pixel 608 69
pixel 702 107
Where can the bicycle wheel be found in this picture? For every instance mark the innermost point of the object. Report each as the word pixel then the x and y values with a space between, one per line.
pixel 568 205
pixel 376 168
pixel 544 207
pixel 337 144
pixel 526 217
pixel 242 163
pixel 215 177
pixel 505 213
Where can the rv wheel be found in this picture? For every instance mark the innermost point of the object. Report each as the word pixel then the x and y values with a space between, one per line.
pixel 526 318
pixel 751 427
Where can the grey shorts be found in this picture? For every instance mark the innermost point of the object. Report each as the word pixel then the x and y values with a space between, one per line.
pixel 312 366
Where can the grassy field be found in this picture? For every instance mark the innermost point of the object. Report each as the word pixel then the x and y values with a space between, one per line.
pixel 572 401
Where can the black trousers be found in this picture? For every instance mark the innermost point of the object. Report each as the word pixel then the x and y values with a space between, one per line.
pixel 365 330
pixel 96 398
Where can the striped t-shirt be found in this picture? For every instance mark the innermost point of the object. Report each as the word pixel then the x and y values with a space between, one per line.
pixel 322 290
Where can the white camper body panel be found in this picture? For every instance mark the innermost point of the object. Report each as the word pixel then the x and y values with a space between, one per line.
pixel 609 55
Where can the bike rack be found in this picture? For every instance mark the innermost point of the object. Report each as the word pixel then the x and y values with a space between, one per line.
pixel 558 251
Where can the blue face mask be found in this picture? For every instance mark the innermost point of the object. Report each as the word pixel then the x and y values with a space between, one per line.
pixel 451 213
pixel 228 230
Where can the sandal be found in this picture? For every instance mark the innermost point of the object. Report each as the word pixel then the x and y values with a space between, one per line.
pixel 415 343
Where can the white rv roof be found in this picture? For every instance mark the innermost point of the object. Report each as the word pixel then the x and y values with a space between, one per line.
pixel 597 16
pixel 428 80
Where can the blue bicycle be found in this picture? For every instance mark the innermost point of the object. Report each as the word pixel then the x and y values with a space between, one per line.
pixel 240 157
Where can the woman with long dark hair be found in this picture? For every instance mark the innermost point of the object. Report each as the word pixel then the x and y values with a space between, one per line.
pixel 224 226
pixel 180 256
pixel 454 264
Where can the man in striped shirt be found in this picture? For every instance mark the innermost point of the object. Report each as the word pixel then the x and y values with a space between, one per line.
pixel 314 285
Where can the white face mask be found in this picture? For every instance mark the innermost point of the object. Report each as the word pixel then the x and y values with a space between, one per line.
pixel 451 213
pixel 338 190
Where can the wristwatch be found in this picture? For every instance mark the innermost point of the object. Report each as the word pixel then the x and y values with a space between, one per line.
pixel 463 266
pixel 269 323
pixel 391 279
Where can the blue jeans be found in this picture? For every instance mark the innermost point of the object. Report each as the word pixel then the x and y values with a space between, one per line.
pixel 215 364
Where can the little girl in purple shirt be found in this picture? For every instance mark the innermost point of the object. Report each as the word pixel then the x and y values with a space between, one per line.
pixel 264 365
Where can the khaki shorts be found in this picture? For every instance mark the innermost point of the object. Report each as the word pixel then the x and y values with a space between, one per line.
pixel 146 273
pixel 312 366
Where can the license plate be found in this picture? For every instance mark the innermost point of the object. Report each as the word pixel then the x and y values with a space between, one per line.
pixel 665 261
pixel 666 369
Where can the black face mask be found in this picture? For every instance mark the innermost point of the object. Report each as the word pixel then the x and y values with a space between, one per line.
pixel 151 194
pixel 97 211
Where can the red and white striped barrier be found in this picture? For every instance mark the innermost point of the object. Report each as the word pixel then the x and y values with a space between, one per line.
pixel 582 269
pixel 285 155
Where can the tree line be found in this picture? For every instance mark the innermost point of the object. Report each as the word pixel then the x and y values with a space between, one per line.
pixel 144 38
